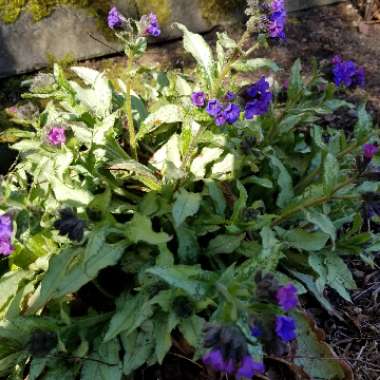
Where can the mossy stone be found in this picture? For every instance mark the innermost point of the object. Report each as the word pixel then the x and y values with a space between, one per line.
pixel 162 8
pixel 216 11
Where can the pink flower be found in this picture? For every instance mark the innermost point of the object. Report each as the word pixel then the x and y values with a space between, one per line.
pixel 56 136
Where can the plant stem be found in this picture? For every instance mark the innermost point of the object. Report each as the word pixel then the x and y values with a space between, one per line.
pixel 311 203
pixel 237 53
pixel 128 108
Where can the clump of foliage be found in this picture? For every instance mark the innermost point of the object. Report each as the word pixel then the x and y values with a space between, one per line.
pixel 190 215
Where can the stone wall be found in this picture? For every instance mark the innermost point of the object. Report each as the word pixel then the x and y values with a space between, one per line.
pixel 27 45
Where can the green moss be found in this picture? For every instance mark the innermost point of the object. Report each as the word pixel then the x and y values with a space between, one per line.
pixel 11 9
pixel 162 8
pixel 217 10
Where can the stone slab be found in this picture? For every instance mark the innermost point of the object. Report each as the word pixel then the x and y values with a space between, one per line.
pixel 25 45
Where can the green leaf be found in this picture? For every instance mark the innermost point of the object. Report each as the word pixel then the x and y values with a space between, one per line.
pixel 288 123
pixel 69 195
pixel 271 245
pixel 99 99
pixel 71 269
pixel 240 204
pixel 330 172
pixel 9 283
pixel 222 169
pixel 295 83
pixel 58 265
pixel 333 271
pixel 315 356
pixel 217 196
pixel 207 155
pixel 37 366
pixel 303 240
pixel 163 326
pixel 199 49
pixel 323 222
pixel 186 204
pixel 138 171
pixel 138 347
pixel 191 328
pixel 140 229
pixel 105 365
pixel 179 276
pixel 224 244
pixel 131 313
pixel 167 114
pixel 285 182
pixel 251 65
pixel 168 159
pixel 188 247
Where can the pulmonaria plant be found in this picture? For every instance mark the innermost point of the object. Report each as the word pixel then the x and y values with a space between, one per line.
pixel 151 206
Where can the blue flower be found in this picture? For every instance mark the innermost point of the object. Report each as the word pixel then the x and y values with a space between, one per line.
pixel 262 98
pixel 220 119
pixel 214 359
pixel 287 297
pixel 232 113
pixel 153 28
pixel 249 368
pixel 277 19
pixel 286 328
pixel 198 98
pixel 114 19
pixel 214 107
pixel 347 73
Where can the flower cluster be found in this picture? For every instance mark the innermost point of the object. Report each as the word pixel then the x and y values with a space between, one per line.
pixel 260 98
pixel 57 136
pixel 148 24
pixel 115 19
pixel 267 288
pixel 277 19
pixel 69 224
pixel 6 231
pixel 230 113
pixel 229 352
pixel 347 73
pixel 151 26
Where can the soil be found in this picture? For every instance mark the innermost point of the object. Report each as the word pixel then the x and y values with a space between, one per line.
pixel 317 33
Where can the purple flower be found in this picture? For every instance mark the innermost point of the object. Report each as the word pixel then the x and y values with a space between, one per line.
pixel 230 96
pixel 6 230
pixel 215 359
pixel 115 19
pixel 214 107
pixel 277 20
pixel 261 98
pixel 6 247
pixel 152 28
pixel 198 98
pixel 347 73
pixel 56 136
pixel 369 150
pixel 285 328
pixel 220 119
pixel 287 297
pixel 5 225
pixel 249 368
pixel 232 113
